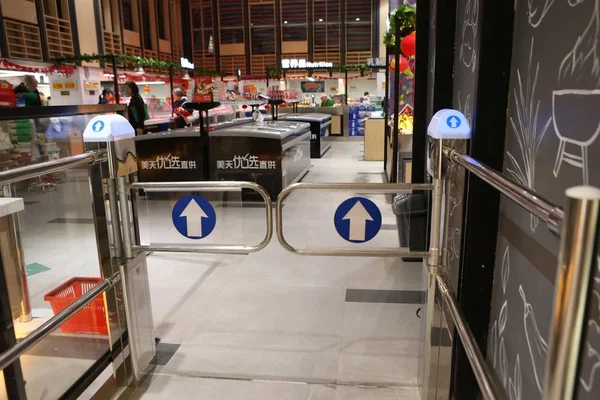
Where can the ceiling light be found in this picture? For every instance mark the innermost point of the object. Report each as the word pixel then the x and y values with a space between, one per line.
pixel 9 74
pixel 285 22
pixel 358 19
pixel 211 44
pixel 320 19
pixel 139 70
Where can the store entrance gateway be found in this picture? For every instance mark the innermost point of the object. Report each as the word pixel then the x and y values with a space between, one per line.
pixel 234 304
pixel 331 302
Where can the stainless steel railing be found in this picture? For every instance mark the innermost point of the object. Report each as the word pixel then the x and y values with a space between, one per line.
pixel 526 198
pixel 578 229
pixel 220 186
pixel 32 171
pixel 49 167
pixel 11 355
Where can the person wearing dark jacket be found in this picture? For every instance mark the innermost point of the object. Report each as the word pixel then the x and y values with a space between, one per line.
pixel 106 97
pixel 136 110
pixel 28 90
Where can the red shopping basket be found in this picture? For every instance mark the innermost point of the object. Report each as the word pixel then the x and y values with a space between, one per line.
pixel 91 319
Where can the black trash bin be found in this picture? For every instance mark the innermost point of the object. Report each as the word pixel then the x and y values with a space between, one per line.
pixel 411 217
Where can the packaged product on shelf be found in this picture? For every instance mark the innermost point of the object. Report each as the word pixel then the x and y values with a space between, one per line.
pixel 203 92
pixel 7 95
pixel 219 91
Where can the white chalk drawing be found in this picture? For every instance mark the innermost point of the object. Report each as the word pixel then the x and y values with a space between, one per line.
pixel 503 317
pixel 494 343
pixel 597 277
pixel 502 360
pixel 505 269
pixel 454 243
pixel 588 383
pixel 538 348
pixel 515 383
pixel 574 3
pixel 465 108
pixel 583 60
pixel 468 54
pixel 593 323
pixel 537 10
pixel 526 130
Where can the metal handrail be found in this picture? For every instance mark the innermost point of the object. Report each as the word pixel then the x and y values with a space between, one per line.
pixel 488 381
pixel 551 214
pixel 209 186
pixel 363 187
pixel 577 227
pixel 11 355
pixel 49 167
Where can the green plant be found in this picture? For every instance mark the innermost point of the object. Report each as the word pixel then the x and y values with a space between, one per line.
pixel 404 18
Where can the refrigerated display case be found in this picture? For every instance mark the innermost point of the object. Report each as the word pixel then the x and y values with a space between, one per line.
pixel 274 154
pixel 320 127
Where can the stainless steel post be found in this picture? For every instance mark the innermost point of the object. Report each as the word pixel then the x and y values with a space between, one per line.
pixel 114 218
pixel 575 266
pixel 14 256
pixel 24 300
pixel 436 159
pixel 125 217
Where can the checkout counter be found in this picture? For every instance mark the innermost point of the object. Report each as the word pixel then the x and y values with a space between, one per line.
pixel 274 154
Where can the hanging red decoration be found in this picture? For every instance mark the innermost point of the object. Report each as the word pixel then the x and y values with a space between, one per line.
pixel 62 69
pixel 283 105
pixel 408 44
pixel 244 106
pixel 404 65
pixel 267 107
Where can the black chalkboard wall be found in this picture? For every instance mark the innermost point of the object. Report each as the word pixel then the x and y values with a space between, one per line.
pixel 552 121
pixel 551 132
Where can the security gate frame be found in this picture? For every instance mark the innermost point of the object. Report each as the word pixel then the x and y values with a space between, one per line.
pixel 577 225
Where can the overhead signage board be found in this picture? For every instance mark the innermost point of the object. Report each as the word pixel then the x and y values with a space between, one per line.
pixel 312 86
pixel 295 63
pixel 185 63
pixel 376 62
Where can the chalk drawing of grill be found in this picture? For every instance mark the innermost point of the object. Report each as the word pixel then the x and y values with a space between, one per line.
pixel 573 114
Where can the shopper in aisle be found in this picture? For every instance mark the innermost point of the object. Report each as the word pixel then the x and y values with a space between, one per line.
pixel 326 101
pixel 137 110
pixel 27 92
pixel 106 97
pixel 179 112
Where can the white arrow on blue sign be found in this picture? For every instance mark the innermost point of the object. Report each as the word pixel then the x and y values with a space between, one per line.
pixel 453 121
pixel 98 126
pixel 357 220
pixel 194 217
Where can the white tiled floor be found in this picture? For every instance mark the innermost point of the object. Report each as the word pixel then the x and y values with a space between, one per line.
pixel 269 325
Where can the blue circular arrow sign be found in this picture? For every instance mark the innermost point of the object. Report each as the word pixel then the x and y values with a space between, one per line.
pixel 194 217
pixel 98 126
pixel 453 121
pixel 357 220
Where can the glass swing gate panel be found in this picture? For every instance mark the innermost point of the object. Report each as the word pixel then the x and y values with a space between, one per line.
pixel 203 217
pixel 372 219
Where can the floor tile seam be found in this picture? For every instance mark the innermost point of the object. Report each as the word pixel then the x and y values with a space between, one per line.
pixel 334 351
pixel 315 382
